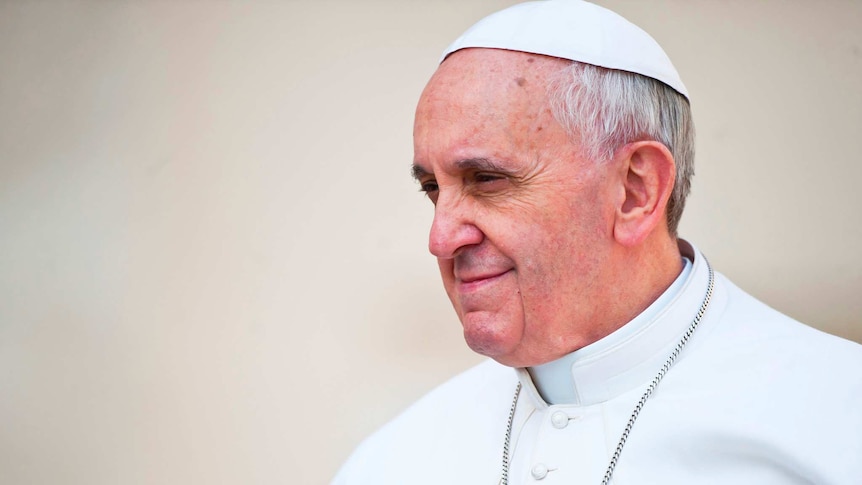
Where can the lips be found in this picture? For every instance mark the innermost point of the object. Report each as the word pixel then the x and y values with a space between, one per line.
pixel 469 282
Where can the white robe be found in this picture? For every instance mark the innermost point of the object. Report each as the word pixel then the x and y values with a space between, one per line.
pixel 754 398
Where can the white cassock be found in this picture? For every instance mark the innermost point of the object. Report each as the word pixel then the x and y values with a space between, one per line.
pixel 754 398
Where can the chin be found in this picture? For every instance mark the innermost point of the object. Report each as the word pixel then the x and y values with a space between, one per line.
pixel 492 338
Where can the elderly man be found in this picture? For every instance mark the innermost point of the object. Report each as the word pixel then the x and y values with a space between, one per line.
pixel 555 141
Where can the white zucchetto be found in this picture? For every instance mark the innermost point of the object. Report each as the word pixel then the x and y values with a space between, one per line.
pixel 575 30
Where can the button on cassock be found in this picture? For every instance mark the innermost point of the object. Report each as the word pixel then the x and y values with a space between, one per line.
pixel 539 471
pixel 560 420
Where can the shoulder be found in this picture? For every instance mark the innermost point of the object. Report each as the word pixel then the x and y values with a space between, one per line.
pixel 459 398
pixel 759 382
pixel 756 327
pixel 481 381
pixel 793 386
pixel 459 415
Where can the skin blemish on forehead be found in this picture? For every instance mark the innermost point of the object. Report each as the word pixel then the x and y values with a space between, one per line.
pixel 521 81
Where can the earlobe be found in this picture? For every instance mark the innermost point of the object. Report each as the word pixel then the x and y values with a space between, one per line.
pixel 647 176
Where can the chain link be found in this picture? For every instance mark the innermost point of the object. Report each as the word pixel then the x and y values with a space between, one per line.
pixel 505 478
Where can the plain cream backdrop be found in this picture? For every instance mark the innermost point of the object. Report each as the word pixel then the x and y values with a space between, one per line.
pixel 212 257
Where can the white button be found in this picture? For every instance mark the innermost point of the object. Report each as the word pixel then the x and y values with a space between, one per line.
pixel 560 419
pixel 539 471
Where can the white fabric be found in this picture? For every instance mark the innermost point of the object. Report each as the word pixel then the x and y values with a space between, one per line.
pixel 755 398
pixel 575 30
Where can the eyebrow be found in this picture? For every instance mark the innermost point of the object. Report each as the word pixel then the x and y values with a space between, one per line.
pixel 418 172
pixel 479 164
pixel 467 164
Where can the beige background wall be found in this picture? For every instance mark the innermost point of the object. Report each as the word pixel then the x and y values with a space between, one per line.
pixel 212 257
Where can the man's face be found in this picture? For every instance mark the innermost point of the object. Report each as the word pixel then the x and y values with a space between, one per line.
pixel 522 223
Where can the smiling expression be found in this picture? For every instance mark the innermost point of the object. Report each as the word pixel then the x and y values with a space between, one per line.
pixel 520 228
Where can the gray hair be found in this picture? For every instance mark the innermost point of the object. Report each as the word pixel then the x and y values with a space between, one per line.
pixel 605 109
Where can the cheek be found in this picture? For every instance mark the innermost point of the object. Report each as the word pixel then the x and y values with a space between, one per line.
pixel 558 257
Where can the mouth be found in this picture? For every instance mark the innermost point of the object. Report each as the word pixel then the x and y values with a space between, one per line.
pixel 474 282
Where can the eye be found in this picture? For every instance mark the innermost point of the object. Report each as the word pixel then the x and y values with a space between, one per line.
pixel 431 190
pixel 482 177
pixel 428 186
pixel 489 182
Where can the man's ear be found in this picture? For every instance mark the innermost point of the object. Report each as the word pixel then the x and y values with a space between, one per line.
pixel 647 174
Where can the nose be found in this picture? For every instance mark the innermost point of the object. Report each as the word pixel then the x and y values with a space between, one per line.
pixel 453 228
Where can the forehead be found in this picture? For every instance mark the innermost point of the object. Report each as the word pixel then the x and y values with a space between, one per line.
pixel 491 77
pixel 486 98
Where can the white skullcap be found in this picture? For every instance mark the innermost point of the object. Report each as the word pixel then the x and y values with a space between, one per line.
pixel 575 30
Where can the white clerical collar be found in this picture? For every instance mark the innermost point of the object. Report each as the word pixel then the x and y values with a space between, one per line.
pixel 628 357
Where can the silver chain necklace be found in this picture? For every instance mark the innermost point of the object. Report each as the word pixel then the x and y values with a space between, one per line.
pixel 504 479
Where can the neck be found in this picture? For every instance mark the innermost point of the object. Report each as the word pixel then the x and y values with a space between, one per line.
pixel 636 278
pixel 648 272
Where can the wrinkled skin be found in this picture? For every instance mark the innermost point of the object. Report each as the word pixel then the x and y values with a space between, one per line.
pixel 524 226
pixel 520 230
